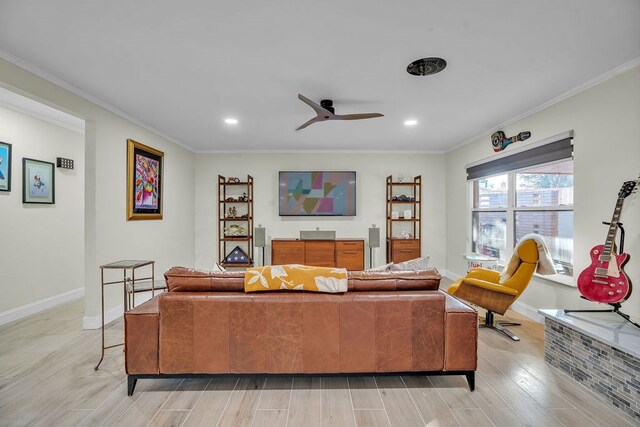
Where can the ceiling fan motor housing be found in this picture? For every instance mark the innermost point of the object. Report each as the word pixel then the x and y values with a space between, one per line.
pixel 327 104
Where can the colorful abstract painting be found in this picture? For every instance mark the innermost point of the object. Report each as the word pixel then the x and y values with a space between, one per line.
pixel 146 191
pixel 144 181
pixel 317 194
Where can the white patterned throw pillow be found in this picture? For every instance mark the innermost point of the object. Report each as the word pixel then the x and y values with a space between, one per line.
pixel 411 265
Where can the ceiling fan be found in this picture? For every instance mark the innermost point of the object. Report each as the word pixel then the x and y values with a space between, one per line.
pixel 325 112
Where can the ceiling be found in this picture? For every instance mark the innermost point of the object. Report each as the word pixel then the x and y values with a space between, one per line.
pixel 183 67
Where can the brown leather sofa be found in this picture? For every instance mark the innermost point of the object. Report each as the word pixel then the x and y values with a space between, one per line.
pixel 388 322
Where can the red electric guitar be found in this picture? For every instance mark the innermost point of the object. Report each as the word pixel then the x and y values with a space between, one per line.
pixel 604 281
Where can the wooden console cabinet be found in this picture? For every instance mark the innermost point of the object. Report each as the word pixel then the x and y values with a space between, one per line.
pixel 342 253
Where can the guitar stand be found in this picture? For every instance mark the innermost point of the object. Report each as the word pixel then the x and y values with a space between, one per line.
pixel 616 306
pixel 616 309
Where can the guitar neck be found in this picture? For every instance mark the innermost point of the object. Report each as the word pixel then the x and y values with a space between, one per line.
pixel 613 228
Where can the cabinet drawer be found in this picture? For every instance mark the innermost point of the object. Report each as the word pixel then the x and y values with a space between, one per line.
pixel 404 249
pixel 349 245
pixel 350 259
pixel 405 244
pixel 405 254
pixel 287 252
pixel 319 254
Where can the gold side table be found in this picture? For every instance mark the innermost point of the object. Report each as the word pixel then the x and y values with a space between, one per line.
pixel 129 288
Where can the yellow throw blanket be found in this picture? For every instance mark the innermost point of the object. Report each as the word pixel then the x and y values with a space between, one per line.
pixel 296 278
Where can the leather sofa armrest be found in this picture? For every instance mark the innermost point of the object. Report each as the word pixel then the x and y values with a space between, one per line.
pixel 461 336
pixel 490 286
pixel 484 274
pixel 141 337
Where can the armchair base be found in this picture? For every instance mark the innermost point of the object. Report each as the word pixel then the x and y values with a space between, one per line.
pixel 490 323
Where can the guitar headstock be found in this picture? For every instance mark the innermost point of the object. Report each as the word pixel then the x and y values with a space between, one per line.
pixel 628 187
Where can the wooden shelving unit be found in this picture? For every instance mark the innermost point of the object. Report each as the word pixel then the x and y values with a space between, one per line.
pixel 226 244
pixel 401 249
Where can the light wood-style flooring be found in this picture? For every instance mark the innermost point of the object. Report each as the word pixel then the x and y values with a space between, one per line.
pixel 47 379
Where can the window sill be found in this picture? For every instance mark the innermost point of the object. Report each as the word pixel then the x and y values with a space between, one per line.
pixel 556 278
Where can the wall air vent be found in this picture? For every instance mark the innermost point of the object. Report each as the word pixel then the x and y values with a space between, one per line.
pixel 426 66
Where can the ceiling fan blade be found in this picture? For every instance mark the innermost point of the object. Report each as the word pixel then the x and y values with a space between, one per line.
pixel 321 111
pixel 310 122
pixel 357 116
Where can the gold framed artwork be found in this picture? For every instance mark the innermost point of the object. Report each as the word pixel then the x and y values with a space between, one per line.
pixel 144 181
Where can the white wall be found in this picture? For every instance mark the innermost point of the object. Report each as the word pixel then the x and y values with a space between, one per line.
pixel 108 235
pixel 371 171
pixel 41 244
pixel 606 121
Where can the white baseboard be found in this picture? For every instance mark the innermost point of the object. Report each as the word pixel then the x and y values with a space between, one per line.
pixel 39 306
pixel 93 322
pixel 451 275
pixel 528 311
pixel 518 307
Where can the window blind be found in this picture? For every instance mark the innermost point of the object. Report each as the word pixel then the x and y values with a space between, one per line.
pixel 557 150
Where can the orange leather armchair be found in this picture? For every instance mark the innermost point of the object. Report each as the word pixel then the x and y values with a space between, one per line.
pixel 483 288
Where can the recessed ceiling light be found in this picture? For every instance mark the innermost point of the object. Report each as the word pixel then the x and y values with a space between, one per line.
pixel 231 121
pixel 410 122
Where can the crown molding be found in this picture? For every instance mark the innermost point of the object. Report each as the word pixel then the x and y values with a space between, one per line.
pixel 42 113
pixel 576 90
pixel 318 152
pixel 33 69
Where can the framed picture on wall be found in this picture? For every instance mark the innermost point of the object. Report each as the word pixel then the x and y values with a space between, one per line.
pixel 38 181
pixel 5 166
pixel 317 193
pixel 144 181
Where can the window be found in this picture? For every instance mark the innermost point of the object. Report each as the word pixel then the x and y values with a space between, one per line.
pixel 533 199
pixel 489 218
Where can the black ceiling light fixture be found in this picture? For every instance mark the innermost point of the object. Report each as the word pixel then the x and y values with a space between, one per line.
pixel 426 66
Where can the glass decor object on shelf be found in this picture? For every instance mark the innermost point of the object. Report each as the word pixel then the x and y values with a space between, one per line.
pixel 556 229
pixel 489 234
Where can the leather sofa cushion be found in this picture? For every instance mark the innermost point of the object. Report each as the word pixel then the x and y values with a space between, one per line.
pixel 182 279
pixel 364 281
